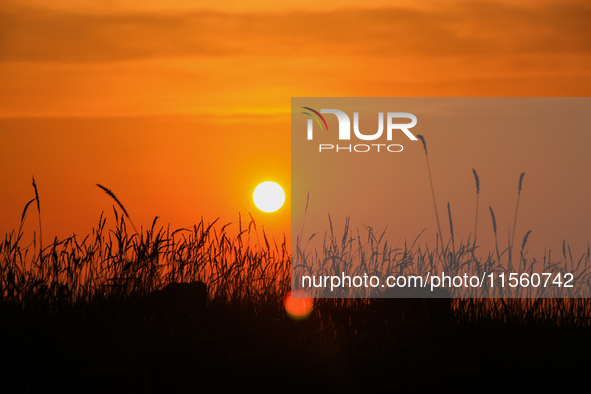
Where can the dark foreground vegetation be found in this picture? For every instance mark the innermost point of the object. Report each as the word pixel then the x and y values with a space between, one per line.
pixel 78 317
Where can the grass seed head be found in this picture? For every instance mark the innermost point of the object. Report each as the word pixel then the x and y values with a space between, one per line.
pixel 477 181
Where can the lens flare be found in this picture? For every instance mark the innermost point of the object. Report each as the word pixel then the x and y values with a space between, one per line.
pixel 298 308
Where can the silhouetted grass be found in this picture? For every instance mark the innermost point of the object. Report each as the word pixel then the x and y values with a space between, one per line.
pixel 72 322
pixel 114 265
pixel 353 255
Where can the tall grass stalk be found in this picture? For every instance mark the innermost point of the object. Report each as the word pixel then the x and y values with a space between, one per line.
pixel 494 223
pixel 477 199
pixel 112 195
pixel 515 220
pixel 40 227
pixel 432 189
pixel 523 247
pixel 451 229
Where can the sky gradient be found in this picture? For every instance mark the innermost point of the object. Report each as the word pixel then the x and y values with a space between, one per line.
pixel 182 109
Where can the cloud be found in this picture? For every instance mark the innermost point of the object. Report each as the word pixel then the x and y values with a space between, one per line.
pixel 55 63
pixel 459 30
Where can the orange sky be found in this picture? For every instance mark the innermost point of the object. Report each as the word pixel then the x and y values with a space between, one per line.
pixel 182 108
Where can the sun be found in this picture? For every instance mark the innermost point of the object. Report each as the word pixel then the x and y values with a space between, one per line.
pixel 268 197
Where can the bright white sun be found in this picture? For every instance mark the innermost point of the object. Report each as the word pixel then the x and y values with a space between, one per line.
pixel 268 196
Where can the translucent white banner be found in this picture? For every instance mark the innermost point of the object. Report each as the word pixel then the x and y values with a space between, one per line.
pixel 441 197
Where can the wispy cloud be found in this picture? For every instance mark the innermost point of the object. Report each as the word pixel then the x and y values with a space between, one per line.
pixel 464 29
pixel 66 63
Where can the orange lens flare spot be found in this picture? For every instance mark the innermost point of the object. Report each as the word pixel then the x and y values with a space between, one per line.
pixel 298 308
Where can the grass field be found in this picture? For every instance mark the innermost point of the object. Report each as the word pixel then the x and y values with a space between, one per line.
pixel 71 321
